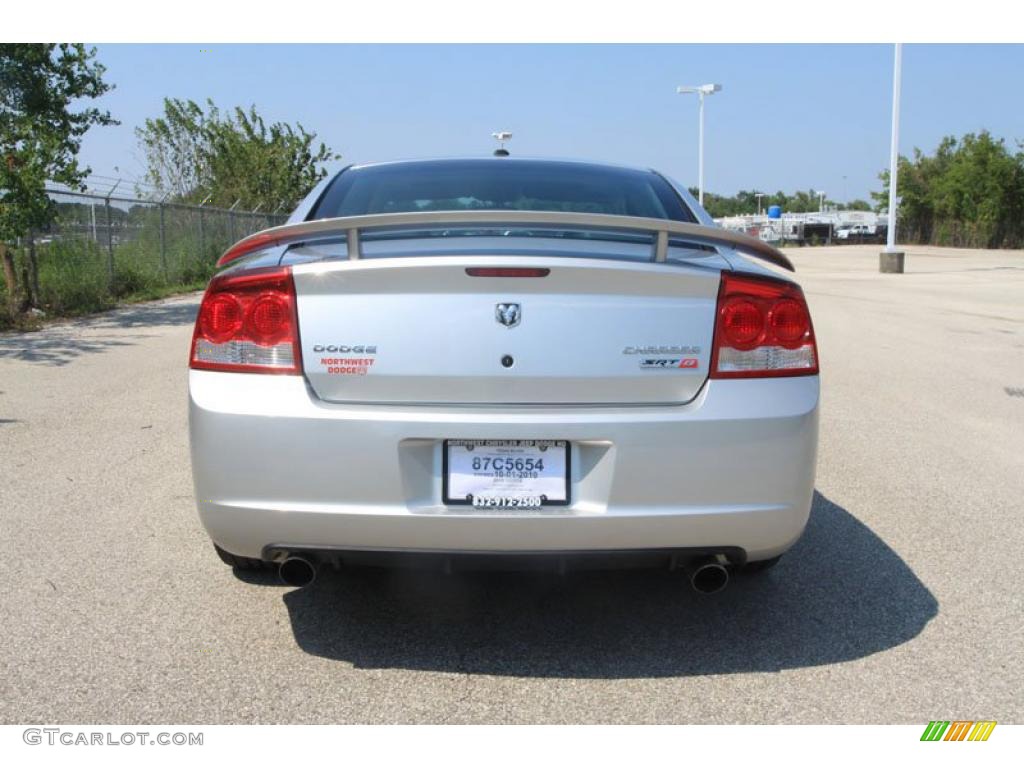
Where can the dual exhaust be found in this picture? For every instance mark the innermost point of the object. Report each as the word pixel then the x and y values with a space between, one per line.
pixel 706 574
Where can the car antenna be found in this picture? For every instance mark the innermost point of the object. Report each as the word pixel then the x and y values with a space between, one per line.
pixel 501 137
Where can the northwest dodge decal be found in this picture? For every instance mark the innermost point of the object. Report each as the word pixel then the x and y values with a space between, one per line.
pixel 347 366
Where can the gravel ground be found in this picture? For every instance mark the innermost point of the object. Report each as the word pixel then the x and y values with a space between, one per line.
pixel 902 603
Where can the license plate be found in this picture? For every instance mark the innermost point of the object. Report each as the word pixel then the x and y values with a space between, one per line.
pixel 506 474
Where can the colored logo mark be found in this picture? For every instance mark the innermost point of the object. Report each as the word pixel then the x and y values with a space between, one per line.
pixel 958 730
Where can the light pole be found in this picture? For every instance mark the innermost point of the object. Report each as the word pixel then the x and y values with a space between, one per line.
pixel 701 91
pixel 891 260
pixel 759 195
pixel 821 201
pixel 501 137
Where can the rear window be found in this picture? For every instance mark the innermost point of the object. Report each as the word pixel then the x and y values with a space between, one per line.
pixel 501 185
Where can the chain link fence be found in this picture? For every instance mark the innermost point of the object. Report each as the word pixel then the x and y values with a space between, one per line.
pixel 104 248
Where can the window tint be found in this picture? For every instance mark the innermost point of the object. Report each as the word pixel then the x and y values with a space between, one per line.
pixel 500 184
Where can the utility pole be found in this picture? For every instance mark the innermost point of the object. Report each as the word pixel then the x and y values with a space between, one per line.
pixel 891 260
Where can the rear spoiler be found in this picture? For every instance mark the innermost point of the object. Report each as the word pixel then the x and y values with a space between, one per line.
pixel 351 226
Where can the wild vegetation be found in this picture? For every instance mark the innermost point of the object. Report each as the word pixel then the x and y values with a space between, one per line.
pixel 41 130
pixel 195 155
pixel 969 193
pixel 64 255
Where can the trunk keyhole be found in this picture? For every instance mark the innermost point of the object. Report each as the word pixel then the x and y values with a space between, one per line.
pixel 508 361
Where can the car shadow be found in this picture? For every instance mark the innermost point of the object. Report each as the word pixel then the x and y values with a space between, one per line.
pixel 58 345
pixel 840 594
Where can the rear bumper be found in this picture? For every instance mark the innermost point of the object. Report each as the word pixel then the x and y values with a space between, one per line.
pixel 275 468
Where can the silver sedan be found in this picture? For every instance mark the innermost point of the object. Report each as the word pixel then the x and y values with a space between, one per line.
pixel 503 361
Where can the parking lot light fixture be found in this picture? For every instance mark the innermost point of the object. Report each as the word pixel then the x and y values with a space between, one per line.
pixel 701 91
pixel 501 137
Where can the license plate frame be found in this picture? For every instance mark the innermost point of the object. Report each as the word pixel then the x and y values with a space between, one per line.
pixel 446 445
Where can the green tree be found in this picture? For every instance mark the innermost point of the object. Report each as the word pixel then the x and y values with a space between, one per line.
pixel 40 136
pixel 970 192
pixel 175 149
pixel 194 153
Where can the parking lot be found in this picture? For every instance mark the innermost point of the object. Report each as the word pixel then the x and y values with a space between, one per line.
pixel 902 603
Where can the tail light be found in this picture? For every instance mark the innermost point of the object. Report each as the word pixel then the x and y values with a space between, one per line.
pixel 762 328
pixel 247 322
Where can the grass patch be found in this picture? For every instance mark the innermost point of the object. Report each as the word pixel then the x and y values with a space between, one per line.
pixel 75 278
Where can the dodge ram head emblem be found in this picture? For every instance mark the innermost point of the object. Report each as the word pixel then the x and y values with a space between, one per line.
pixel 508 315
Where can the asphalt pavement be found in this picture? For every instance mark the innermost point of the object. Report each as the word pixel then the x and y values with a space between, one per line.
pixel 901 604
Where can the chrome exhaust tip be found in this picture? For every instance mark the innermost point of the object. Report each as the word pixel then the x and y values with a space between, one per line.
pixel 297 571
pixel 708 576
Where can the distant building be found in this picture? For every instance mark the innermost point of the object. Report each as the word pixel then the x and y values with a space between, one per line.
pixel 810 226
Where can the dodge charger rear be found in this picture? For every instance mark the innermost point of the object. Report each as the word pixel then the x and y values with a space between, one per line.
pixel 503 361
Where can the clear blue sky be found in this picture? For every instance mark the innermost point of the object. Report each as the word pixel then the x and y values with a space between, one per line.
pixel 790 116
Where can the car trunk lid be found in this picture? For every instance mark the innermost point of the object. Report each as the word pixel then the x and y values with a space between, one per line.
pixel 423 330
